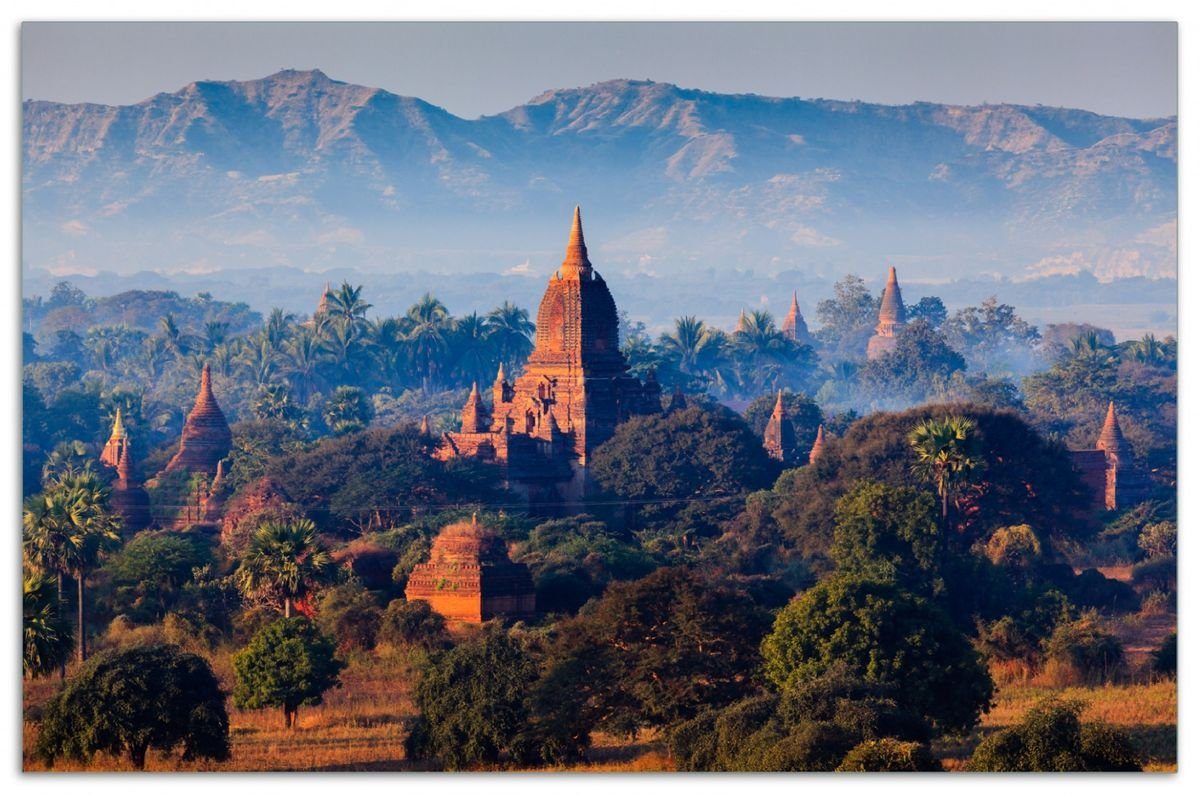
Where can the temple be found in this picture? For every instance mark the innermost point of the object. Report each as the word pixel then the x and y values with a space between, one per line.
pixel 544 426
pixel 779 439
pixel 322 310
pixel 818 445
pixel 1109 471
pixel 118 440
pixel 794 327
pixel 206 438
pixel 469 577
pixel 891 319
pixel 129 498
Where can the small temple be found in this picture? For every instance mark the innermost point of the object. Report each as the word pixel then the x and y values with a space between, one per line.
pixel 206 437
pixel 129 498
pixel 544 426
pixel 779 439
pixel 469 577
pixel 818 445
pixel 794 327
pixel 1109 470
pixel 891 319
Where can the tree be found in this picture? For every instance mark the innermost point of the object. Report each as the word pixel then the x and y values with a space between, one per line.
pixel 149 572
pixel 849 313
pixel 47 632
pixel 921 360
pixel 347 411
pixel 947 451
pixel 287 664
pixel 930 309
pixel 1015 547
pixel 473 705
pixel 413 624
pixel 284 563
pixel 349 614
pixel 890 533
pixel 130 701
pixel 653 652
pixel 511 331
pixel 887 636
pixel 1158 540
pixel 888 755
pixel 1051 738
pixel 428 337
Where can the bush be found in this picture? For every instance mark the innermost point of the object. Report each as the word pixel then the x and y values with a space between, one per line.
pixel 1158 540
pixel 1013 547
pixel 288 664
pixel 350 614
pixel 1051 738
pixel 413 623
pixel 1092 589
pixel 127 702
pixel 1158 574
pixel 889 755
pixel 1165 656
pixel 149 572
pixel 1085 652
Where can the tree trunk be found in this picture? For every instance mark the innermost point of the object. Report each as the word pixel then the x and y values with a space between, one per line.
pixel 287 607
pixel 62 608
pixel 137 755
pixel 80 619
pixel 289 716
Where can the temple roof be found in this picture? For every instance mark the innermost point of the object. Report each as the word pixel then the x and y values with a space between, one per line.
pixel 575 264
pixel 818 445
pixel 469 543
pixel 1112 439
pixel 118 429
pixel 891 308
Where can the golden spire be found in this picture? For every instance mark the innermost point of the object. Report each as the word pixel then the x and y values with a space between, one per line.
pixel 118 429
pixel 576 263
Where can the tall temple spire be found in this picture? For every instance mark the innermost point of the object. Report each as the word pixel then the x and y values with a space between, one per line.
pixel 123 467
pixel 474 415
pixel 118 440
pixel 1111 439
pixel 818 445
pixel 575 264
pixel 892 318
pixel 794 327
pixel 206 438
pixel 779 439
pixel 118 429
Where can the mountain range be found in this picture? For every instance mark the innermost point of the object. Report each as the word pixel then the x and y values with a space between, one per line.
pixel 302 171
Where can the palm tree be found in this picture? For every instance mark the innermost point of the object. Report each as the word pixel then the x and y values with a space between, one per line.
pixel 473 348
pixel 173 336
pixel 67 459
pixel 509 326
pixel 277 328
pixel 947 451
pixel 693 346
pixel 47 631
pixel 215 332
pixel 346 304
pixel 67 529
pixel 428 338
pixel 259 359
pixel 155 355
pixel 305 356
pixel 284 563
pixel 1148 350
pixel 761 350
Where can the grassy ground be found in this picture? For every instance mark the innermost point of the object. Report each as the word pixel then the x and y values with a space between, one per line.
pixel 362 725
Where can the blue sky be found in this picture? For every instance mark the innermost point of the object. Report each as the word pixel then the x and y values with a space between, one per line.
pixel 1126 69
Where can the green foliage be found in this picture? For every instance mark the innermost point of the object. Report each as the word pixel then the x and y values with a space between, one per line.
pixel 890 533
pixel 149 572
pixel 284 563
pixel 889 756
pixel 904 375
pixel 803 411
pixel 131 701
pixel 886 636
pixel 413 623
pixel 1083 647
pixel 1158 540
pixel 351 615
pixel 1158 574
pixel 347 411
pixel 688 470
pixel 287 664
pixel 1015 547
pixel 475 708
pixel 46 631
pixel 574 559
pixel 1165 656
pixel 1051 738
pixel 653 652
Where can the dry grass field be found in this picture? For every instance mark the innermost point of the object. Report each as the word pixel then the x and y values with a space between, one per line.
pixel 362 725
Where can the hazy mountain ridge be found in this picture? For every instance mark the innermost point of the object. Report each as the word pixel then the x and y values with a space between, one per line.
pixel 298 169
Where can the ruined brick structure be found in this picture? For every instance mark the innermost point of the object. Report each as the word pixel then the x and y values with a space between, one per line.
pixel 794 327
pixel 818 445
pixel 891 319
pixel 544 426
pixel 129 498
pixel 1109 471
pixel 206 438
pixel 469 577
pixel 779 439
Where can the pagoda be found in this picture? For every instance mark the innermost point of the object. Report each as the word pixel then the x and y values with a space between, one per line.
pixel 469 577
pixel 818 445
pixel 118 440
pixel 545 425
pixel 794 327
pixel 1109 470
pixel 779 439
pixel 891 319
pixel 129 498
pixel 206 438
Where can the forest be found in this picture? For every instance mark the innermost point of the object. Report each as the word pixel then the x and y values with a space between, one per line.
pixel 935 591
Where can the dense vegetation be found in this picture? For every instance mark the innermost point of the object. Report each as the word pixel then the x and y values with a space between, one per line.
pixel 857 613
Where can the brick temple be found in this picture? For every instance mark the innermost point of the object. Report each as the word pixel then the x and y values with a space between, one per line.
pixel 206 437
pixel 129 498
pixel 892 318
pixel 1109 471
pixel 469 577
pixel 544 426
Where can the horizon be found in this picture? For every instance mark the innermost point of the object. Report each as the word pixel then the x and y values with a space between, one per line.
pixel 1099 67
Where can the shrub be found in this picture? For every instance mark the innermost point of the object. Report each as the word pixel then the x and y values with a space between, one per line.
pixel 1158 574
pixel 350 614
pixel 1158 540
pixel 1013 547
pixel 413 623
pixel 1085 652
pixel 1051 738
pixel 1092 589
pixel 127 702
pixel 1165 656
pixel 288 664
pixel 889 755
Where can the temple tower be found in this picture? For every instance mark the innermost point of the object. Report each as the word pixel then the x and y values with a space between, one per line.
pixel 118 440
pixel 779 439
pixel 891 319
pixel 794 327
pixel 129 498
pixel 818 445
pixel 474 414
pixel 1125 482
pixel 206 438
